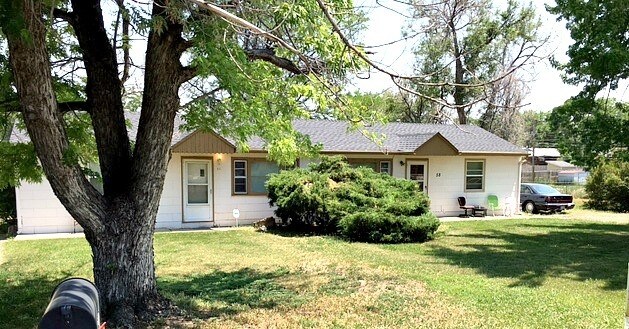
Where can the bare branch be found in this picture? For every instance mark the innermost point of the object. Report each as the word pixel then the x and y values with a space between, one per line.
pixel 268 55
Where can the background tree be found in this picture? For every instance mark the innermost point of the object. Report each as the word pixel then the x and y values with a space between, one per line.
pixel 473 47
pixel 536 130
pixel 592 131
pixel 68 73
pixel 501 114
pixel 599 56
pixel 400 107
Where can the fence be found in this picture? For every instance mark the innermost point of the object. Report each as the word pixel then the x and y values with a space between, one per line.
pixel 545 176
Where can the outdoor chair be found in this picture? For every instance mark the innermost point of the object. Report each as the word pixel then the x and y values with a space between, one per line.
pixel 464 207
pixel 492 203
pixel 509 204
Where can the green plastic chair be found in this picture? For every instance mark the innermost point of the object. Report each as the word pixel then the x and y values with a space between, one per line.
pixel 492 203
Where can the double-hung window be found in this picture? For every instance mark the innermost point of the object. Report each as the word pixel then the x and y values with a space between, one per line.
pixel 250 176
pixel 474 175
pixel 240 177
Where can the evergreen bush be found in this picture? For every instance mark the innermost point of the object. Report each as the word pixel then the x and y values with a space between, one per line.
pixel 334 198
pixel 608 187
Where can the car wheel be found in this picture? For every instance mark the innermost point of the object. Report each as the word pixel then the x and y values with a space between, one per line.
pixel 529 207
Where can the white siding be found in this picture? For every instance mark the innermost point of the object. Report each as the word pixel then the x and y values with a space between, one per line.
pixel 252 207
pixel 170 210
pixel 446 182
pixel 39 211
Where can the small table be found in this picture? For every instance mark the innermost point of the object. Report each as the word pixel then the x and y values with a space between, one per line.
pixel 479 212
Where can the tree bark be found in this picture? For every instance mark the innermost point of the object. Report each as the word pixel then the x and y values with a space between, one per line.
pixel 31 71
pixel 119 224
pixel 124 268
pixel 459 90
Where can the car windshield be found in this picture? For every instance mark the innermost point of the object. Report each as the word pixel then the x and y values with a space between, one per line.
pixel 544 189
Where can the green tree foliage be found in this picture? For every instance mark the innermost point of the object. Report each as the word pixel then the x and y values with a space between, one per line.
pixel 239 68
pixel 608 186
pixel 471 45
pixel 358 203
pixel 7 204
pixel 589 132
pixel 599 56
pixel 536 130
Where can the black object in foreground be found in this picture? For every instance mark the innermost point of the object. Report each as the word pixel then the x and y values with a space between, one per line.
pixel 74 304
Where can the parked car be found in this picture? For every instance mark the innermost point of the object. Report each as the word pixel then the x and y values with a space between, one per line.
pixel 540 197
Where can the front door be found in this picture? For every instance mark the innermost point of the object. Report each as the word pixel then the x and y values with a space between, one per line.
pixel 197 191
pixel 418 171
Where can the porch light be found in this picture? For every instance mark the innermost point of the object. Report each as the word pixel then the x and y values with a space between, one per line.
pixel 401 162
pixel 219 158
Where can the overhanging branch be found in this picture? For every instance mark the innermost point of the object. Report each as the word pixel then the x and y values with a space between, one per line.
pixel 268 55
pixel 13 105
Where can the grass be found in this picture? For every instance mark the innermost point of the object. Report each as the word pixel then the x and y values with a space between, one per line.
pixel 538 272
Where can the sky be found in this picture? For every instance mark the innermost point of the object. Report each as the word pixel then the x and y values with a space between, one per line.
pixel 546 89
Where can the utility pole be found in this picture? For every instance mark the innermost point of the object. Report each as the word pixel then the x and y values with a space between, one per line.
pixel 533 136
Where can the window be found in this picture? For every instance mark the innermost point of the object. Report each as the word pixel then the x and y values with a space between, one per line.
pixel 198 183
pixel 474 175
pixel 385 167
pixel 377 166
pixel 240 177
pixel 251 175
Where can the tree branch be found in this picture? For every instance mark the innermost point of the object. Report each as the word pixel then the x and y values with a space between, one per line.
pixel 235 20
pixel 13 105
pixel 186 73
pixel 268 55
pixel 67 16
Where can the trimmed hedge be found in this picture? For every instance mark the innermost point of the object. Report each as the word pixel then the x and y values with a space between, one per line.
pixel 332 197
pixel 608 187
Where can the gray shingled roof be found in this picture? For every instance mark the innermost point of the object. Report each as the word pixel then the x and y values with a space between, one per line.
pixel 335 137
pixel 400 137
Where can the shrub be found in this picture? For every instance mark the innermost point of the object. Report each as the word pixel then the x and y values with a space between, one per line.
pixel 358 203
pixel 608 187
pixel 380 226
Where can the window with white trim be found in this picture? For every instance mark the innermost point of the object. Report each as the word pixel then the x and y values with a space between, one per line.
pixel 240 177
pixel 250 176
pixel 474 175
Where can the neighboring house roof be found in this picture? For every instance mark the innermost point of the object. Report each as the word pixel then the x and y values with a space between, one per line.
pixel 561 164
pixel 335 137
pixel 545 152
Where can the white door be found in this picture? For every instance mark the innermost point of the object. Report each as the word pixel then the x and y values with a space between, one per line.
pixel 418 171
pixel 197 191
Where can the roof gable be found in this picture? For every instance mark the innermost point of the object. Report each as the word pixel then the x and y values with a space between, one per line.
pixel 436 145
pixel 203 142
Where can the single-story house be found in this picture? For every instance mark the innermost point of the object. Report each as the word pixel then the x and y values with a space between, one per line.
pixel 576 176
pixel 541 155
pixel 559 165
pixel 208 177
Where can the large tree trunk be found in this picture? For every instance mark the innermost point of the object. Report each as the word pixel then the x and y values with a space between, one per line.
pixel 119 225
pixel 124 269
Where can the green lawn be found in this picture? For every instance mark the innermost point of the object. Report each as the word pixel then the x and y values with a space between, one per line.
pixel 529 273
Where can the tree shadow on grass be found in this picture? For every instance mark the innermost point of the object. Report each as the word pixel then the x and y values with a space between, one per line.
pixel 23 301
pixel 226 293
pixel 580 251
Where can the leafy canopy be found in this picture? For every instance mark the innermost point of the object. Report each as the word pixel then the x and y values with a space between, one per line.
pixel 599 56
pixel 592 131
pixel 235 92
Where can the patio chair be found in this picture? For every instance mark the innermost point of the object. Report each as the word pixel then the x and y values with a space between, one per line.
pixel 509 204
pixel 492 203
pixel 462 205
